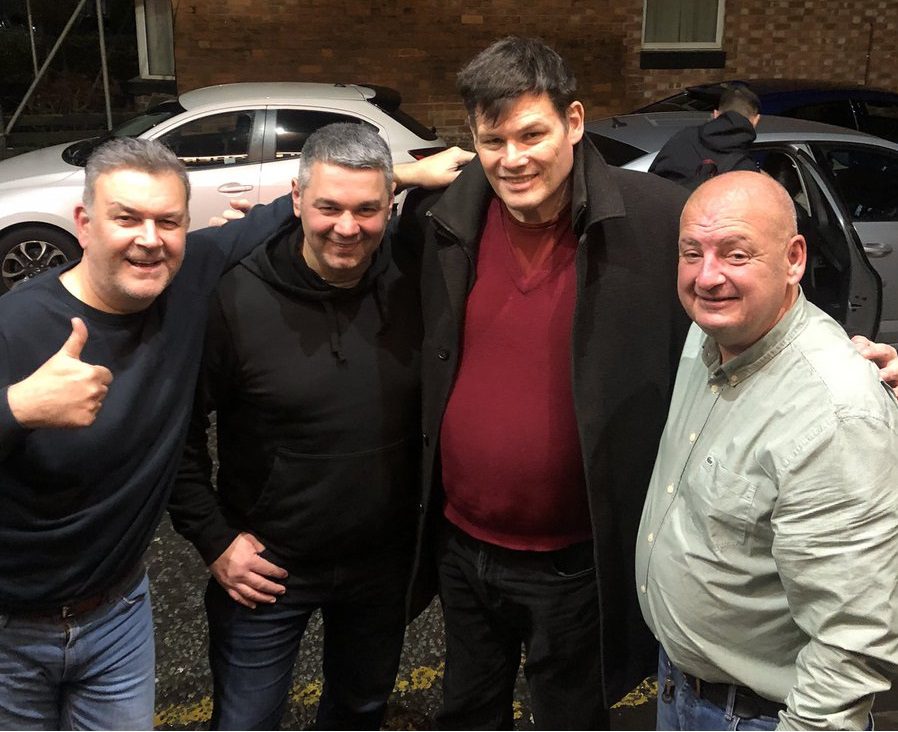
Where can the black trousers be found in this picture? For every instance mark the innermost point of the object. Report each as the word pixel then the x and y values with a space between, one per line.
pixel 494 601
pixel 252 652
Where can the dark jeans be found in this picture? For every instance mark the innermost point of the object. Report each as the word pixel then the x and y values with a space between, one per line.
pixel 494 600
pixel 252 652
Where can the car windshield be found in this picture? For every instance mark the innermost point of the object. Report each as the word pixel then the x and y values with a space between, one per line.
pixel 615 152
pixel 78 152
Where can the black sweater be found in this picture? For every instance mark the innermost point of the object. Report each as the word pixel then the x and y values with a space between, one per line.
pixel 316 390
pixel 78 507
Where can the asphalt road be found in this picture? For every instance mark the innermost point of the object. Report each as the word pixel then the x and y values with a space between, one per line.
pixel 183 683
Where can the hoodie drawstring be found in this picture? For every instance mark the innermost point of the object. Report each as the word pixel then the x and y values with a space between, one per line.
pixel 336 340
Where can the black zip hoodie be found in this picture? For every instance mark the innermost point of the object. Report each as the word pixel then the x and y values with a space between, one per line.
pixel 317 394
pixel 695 154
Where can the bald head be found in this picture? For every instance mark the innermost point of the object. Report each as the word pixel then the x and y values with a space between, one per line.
pixel 741 258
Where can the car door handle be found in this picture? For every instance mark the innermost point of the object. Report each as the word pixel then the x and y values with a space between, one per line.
pixel 876 250
pixel 229 188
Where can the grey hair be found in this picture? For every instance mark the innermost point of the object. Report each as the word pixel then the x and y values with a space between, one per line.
pixel 349 145
pixel 131 153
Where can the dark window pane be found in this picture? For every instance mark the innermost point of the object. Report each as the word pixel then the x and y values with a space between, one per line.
pixel 866 180
pixel 832 113
pixel 295 125
pixel 216 140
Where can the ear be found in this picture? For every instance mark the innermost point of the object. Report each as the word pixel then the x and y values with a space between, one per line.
pixel 575 119
pixel 296 195
pixel 796 256
pixel 82 225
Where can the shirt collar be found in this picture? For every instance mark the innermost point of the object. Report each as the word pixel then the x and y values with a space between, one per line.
pixel 758 355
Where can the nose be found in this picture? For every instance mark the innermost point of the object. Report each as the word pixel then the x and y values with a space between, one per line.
pixel 515 156
pixel 710 273
pixel 346 225
pixel 149 234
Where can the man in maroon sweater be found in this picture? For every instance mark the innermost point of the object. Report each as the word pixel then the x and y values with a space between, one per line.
pixel 552 335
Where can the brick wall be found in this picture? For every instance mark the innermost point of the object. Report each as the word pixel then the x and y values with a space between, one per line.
pixel 417 46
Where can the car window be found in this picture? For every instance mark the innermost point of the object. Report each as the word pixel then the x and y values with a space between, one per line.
pixel 212 141
pixel 866 179
pixel 826 277
pixel 879 118
pixel 837 112
pixel 294 126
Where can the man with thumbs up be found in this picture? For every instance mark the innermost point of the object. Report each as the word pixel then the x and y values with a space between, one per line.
pixel 97 368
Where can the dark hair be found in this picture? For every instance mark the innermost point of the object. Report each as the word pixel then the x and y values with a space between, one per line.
pixel 131 153
pixel 739 98
pixel 349 145
pixel 509 68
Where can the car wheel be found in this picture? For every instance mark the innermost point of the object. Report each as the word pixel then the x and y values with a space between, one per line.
pixel 30 250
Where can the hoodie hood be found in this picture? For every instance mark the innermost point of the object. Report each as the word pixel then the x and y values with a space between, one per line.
pixel 730 131
pixel 279 263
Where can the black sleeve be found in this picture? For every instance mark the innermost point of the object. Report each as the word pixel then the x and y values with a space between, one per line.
pixel 218 248
pixel 194 507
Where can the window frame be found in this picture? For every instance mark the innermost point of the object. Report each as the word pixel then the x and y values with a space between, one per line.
pixel 715 45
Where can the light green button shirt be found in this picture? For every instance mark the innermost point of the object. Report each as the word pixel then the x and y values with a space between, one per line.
pixel 767 555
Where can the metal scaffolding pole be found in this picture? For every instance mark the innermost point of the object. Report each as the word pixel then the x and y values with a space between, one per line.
pixel 46 65
pixel 31 35
pixel 103 64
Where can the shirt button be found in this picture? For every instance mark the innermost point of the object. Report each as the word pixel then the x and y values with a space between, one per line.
pixel 642 588
pixel 692 437
pixel 443 354
pixel 651 538
pixel 670 488
pixel 715 389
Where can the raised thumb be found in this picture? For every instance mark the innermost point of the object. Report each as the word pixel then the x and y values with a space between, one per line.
pixel 75 343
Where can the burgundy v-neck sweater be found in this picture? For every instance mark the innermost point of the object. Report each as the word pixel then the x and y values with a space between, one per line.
pixel 512 468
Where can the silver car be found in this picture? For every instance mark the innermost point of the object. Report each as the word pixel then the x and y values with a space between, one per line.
pixel 845 186
pixel 237 140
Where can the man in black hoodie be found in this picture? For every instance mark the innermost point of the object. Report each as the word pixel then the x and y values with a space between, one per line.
pixel 312 364
pixel 695 154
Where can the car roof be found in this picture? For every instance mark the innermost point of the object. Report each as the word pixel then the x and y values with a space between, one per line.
pixel 776 86
pixel 267 92
pixel 650 130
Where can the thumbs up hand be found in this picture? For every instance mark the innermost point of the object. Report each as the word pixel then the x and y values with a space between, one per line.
pixel 64 391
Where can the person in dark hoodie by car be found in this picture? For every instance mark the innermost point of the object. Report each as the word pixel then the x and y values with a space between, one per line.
pixel 312 365
pixel 720 145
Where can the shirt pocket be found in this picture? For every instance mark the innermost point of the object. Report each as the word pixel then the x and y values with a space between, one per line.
pixel 724 503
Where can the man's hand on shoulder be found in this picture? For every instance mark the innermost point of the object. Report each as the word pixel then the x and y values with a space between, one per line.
pixel 883 355
pixel 434 171
pixel 245 575
pixel 64 391
pixel 238 209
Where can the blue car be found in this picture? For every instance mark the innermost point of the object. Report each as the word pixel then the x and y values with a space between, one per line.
pixel 869 110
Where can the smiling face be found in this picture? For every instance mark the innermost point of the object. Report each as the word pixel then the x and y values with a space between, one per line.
pixel 740 259
pixel 344 214
pixel 528 154
pixel 133 237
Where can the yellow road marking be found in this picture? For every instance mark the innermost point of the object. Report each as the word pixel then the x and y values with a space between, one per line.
pixel 419 678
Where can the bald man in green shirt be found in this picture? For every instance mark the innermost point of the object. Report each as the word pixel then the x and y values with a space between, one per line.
pixel 768 547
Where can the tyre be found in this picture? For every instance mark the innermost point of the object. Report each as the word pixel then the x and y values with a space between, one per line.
pixel 30 250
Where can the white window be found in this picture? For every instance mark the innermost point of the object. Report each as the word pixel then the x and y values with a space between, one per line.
pixel 682 24
pixel 155 44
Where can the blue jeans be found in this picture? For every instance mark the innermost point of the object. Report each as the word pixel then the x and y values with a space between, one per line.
pixel 252 652
pixel 683 710
pixel 494 600
pixel 95 671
